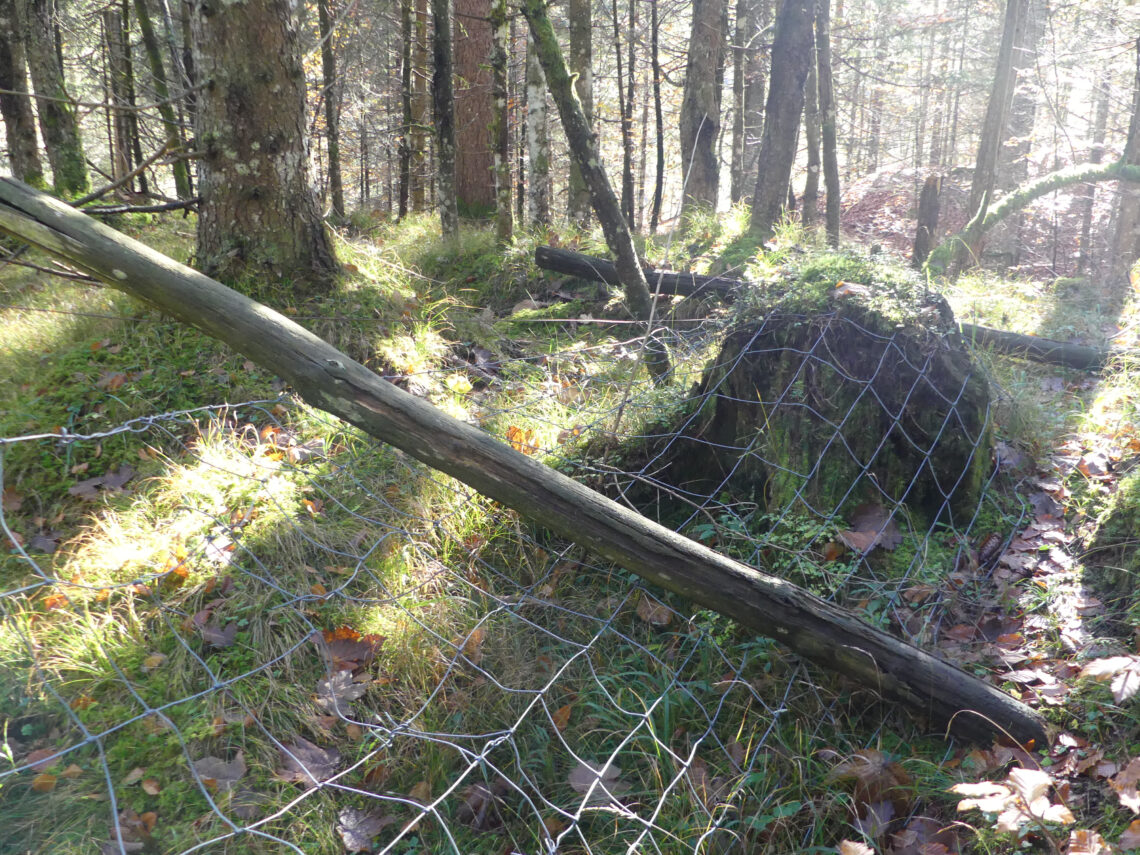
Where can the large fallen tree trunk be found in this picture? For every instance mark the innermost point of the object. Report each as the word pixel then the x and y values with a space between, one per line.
pixel 1015 344
pixel 326 378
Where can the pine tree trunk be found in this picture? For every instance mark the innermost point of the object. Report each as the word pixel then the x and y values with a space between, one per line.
pixel 59 123
pixel 1126 240
pixel 625 114
pixel 993 133
pixel 582 68
pixel 658 118
pixel 259 215
pixel 500 124
pixel 537 139
pixel 827 128
pixel 700 106
pixel 472 46
pixel 584 151
pixel 421 110
pixel 15 103
pixel 120 137
pixel 407 49
pixel 752 20
pixel 443 108
pixel 791 56
pixel 332 107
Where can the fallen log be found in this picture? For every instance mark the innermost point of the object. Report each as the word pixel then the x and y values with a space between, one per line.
pixel 812 627
pixel 1026 346
pixel 660 281
pixel 1037 349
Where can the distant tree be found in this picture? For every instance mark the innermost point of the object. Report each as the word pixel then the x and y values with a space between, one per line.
pixel 700 106
pixel 259 214
pixel 501 120
pixel 791 56
pixel 537 139
pixel 827 115
pixel 59 124
pixel 993 133
pixel 15 104
pixel 170 123
pixel 753 17
pixel 810 211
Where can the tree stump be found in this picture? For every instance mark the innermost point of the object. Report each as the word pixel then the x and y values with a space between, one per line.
pixel 827 410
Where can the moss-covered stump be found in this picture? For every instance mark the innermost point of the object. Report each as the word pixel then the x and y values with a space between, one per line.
pixel 1112 562
pixel 829 409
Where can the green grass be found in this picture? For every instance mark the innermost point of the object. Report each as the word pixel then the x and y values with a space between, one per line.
pixel 505 653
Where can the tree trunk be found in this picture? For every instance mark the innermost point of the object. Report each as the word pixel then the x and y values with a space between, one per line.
pixel 1126 240
pixel 658 119
pixel 59 124
pixel 809 213
pixel 584 151
pixel 407 50
pixel 814 628
pixel 791 56
pixel 537 139
pixel 625 108
pixel 132 101
pixel 827 115
pixel 120 133
pixel 331 88
pixel 993 133
pixel 421 110
pixel 472 46
pixel 500 126
pixel 597 269
pixel 166 110
pixel 443 107
pixel 700 107
pixel 15 103
pixel 580 13
pixel 752 21
pixel 1096 155
pixel 928 207
pixel 259 213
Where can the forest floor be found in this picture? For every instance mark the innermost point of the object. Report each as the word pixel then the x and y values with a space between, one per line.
pixel 231 623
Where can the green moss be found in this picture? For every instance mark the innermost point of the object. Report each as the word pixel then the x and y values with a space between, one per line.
pixel 1114 555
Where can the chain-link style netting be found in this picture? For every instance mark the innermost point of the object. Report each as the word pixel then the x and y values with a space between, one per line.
pixel 274 633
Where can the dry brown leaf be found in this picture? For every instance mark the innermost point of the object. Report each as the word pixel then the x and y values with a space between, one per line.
pixel 1125 785
pixel 1085 842
pixel 600 782
pixel 1124 671
pixel 653 612
pixel 561 717
pixel 44 782
pixel 1130 839
pixel 306 763
pixel 853 847
pixel 216 635
pixel 421 793
pixel 338 691
pixel 357 828
pixel 134 776
pixel 151 786
pixel 871 526
pixel 345 649
pixel 219 774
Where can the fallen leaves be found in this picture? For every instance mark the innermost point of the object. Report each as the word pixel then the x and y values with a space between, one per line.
pixel 1123 671
pixel 306 763
pixel 1124 783
pixel 112 482
pixel 871 526
pixel 600 784
pixel 338 691
pixel 220 774
pixel 345 649
pixel 357 828
pixel 1022 799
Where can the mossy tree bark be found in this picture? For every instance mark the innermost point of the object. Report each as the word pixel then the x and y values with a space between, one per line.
pixel 331 87
pixel 500 122
pixel 15 103
pixel 791 55
pixel 537 140
pixel 259 215
pixel 59 124
pixel 753 18
pixel 700 107
pixel 580 13
pixel 584 151
pixel 827 113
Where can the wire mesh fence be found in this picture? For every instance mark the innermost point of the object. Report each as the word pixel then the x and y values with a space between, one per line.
pixel 275 633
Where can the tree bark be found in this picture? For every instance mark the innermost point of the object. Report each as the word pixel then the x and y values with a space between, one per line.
pixel 584 151
pixel 1096 155
pixel 928 207
pixel 791 55
pixel 1126 240
pixel 580 13
pixel 500 124
pixel 700 107
pixel 827 114
pixel 116 71
pixel 59 124
pixel 658 118
pixel 331 87
pixel 537 139
pixel 443 106
pixel 625 111
pixel 407 50
pixel 15 103
pixel 259 214
pixel 814 628
pixel 472 48
pixel 993 132
pixel 753 18
pixel 809 213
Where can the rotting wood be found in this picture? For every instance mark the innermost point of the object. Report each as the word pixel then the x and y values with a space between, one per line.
pixel 1014 344
pixel 814 628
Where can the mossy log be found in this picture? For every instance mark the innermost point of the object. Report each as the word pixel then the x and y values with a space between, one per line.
pixel 1113 557
pixel 818 630
pixel 833 409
